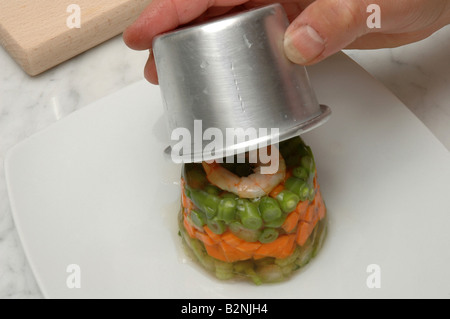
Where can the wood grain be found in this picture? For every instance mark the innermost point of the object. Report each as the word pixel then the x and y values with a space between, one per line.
pixel 36 34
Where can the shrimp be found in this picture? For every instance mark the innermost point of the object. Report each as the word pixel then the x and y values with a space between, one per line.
pixel 252 186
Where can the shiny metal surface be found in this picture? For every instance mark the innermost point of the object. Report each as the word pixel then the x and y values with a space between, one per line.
pixel 232 73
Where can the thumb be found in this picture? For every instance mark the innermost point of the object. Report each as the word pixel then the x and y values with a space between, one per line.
pixel 324 28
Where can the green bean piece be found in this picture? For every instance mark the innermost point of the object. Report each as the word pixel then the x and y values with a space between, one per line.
pixel 289 269
pixel 312 194
pixel 243 233
pixel 268 235
pixel 269 209
pixel 216 226
pixel 294 184
pixel 227 209
pixel 198 218
pixel 224 270
pixel 270 273
pixel 187 191
pixel 240 206
pixel 277 222
pixel 229 195
pixel 290 259
pixel 235 227
pixel 195 245
pixel 301 172
pixel 308 163
pixel 305 192
pixel 309 151
pixel 320 237
pixel 298 187
pixel 247 267
pixel 208 203
pixel 305 150
pixel 199 252
pixel 250 217
pixel 306 254
pixel 288 200
pixel 211 189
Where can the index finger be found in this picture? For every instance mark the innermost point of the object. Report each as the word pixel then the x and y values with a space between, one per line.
pixel 165 15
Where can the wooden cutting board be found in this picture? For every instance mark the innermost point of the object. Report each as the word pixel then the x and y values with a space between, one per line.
pixel 43 33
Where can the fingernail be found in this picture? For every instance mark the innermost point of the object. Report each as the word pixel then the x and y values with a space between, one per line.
pixel 303 45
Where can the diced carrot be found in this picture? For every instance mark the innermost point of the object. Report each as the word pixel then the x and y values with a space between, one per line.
pixel 214 237
pixel 216 251
pixel 288 249
pixel 185 201
pixel 315 221
pixel 321 209
pixel 303 214
pixel 231 239
pixel 301 207
pixel 310 215
pixel 204 238
pixel 249 247
pixel 304 231
pixel 232 254
pixel 191 231
pixel 291 221
pixel 274 248
pixel 276 190
pixel 318 197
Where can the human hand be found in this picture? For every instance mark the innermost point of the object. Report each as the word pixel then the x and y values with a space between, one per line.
pixel 317 30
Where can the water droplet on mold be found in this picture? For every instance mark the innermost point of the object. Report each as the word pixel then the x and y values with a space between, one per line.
pixel 247 42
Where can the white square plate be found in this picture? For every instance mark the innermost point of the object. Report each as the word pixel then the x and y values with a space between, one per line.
pixel 94 190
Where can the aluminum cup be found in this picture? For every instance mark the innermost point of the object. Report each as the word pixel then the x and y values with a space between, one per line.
pixel 232 72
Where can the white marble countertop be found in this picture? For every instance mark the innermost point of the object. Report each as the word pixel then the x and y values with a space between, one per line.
pixel 419 74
